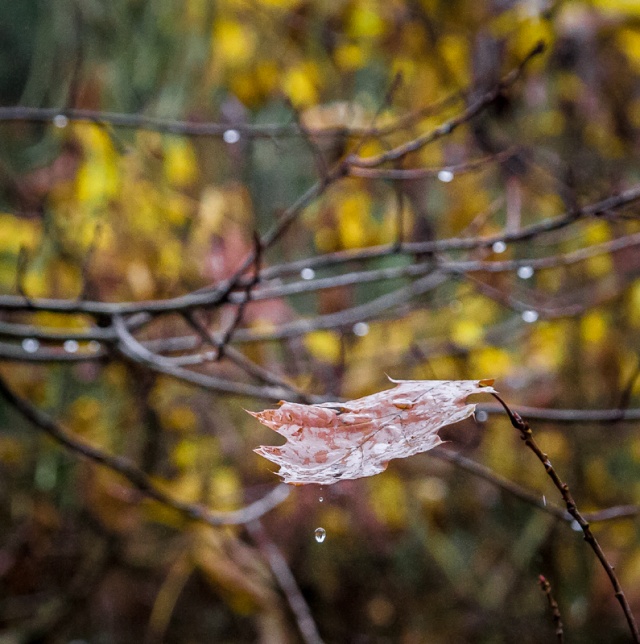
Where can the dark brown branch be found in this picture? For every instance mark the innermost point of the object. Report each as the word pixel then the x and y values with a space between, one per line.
pixel 136 476
pixel 553 606
pixel 527 436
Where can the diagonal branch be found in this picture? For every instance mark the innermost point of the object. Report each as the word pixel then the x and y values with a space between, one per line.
pixel 135 475
pixel 527 436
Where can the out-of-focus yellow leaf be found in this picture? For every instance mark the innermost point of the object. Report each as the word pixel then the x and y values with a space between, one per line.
pixel 13 451
pixel 185 454
pixel 180 163
pixel 233 43
pixel 599 266
pixel 593 327
pixel 467 333
pixel 324 345
pixel 170 258
pixel 326 239
pixel 300 84
pixel 353 212
pixel 626 7
pixel 350 56
pixel 389 500
pixel 365 20
pixel 547 345
pixel 211 212
pixel 493 360
pixel 17 233
pixel 225 492
pixel 85 415
pixel 454 48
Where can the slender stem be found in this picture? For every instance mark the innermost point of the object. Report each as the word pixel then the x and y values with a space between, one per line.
pixel 527 436
pixel 287 582
pixel 553 605
pixel 141 481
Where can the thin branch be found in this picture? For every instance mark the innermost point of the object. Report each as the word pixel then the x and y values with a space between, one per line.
pixel 255 278
pixel 135 475
pixel 130 348
pixel 596 416
pixel 286 581
pixel 449 126
pixel 553 606
pixel 527 436
pixel 482 471
pixel 411 174
pixel 209 298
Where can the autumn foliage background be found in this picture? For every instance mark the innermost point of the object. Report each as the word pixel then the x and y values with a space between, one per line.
pixel 198 125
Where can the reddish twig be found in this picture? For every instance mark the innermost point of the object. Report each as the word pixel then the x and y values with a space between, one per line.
pixel 553 605
pixel 527 436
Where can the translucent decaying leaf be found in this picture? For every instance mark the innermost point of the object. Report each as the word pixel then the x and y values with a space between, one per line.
pixel 330 442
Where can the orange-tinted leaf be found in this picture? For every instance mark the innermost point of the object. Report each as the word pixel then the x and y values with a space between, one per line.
pixel 330 442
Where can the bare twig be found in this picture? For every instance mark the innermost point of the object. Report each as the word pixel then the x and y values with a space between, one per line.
pixel 449 126
pixel 286 581
pixel 532 498
pixel 553 605
pixel 210 298
pixel 135 475
pixel 527 436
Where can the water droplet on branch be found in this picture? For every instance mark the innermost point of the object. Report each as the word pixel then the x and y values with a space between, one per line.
pixel 525 272
pixel 499 247
pixel 307 273
pixel 231 136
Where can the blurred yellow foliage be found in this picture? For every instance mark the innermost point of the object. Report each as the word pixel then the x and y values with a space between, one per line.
pixel 324 345
pixel 233 43
pixel 180 163
pixel 593 327
pixel 491 362
pixel 300 84
pixel 353 214
pixel 389 501
pixel 466 333
pixel 181 418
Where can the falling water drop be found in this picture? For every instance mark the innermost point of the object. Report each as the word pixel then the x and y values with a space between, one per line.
pixel 320 499
pixel 544 500
pixel 320 534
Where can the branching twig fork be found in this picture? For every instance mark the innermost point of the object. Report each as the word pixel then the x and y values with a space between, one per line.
pixel 527 436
